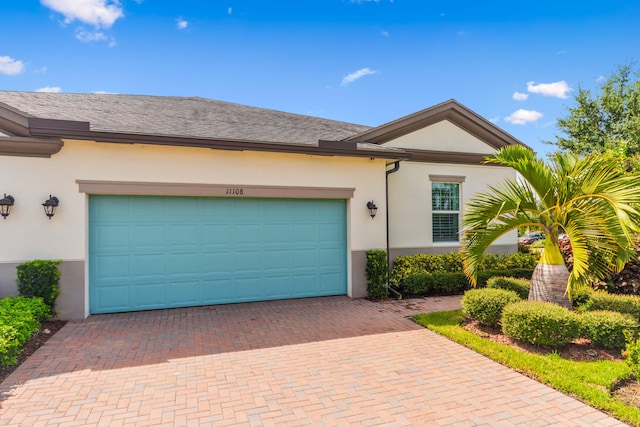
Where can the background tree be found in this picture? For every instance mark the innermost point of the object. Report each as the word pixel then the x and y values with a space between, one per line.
pixel 607 121
pixel 590 198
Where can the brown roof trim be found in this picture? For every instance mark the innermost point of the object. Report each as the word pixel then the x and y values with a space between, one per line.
pixel 321 149
pixel 450 110
pixel 29 147
pixel 432 156
pixel 13 120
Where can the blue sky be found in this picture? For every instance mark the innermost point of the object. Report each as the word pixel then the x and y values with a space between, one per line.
pixel 517 64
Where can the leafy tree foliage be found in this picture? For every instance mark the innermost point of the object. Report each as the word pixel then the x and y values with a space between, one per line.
pixel 607 121
pixel 589 198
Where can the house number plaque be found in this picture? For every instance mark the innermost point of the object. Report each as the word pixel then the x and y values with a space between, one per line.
pixel 234 191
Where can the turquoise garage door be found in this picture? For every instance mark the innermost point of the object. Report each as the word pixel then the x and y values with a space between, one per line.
pixel 160 252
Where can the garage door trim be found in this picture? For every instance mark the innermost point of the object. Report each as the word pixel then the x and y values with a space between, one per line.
pixel 130 188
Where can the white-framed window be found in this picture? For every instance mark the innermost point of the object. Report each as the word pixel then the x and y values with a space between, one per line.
pixel 445 208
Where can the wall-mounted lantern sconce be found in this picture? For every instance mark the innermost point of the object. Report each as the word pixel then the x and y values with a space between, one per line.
pixel 5 205
pixel 50 206
pixel 373 209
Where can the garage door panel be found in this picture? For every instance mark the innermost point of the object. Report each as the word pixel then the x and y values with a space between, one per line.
pixel 112 266
pixel 112 236
pixel 113 298
pixel 249 288
pixel 248 234
pixel 217 291
pixel 182 292
pixel 144 236
pixel 148 295
pixel 148 266
pixel 182 263
pixel 216 235
pixel 183 251
pixel 183 236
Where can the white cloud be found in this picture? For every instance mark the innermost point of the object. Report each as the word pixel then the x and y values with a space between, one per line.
pixel 384 33
pixel 99 13
pixel 181 23
pixel 495 119
pixel 350 78
pixel 50 89
pixel 557 89
pixel 10 66
pixel 230 11
pixel 104 92
pixel 518 96
pixel 90 36
pixel 522 117
pixel 600 79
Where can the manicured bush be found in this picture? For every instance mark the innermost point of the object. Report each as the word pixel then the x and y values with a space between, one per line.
pixel 581 296
pixel 411 265
pixel 39 278
pixel 607 328
pixel 20 317
pixel 486 305
pixel 629 304
pixel 376 271
pixel 540 323
pixel 631 354
pixel 452 283
pixel 519 286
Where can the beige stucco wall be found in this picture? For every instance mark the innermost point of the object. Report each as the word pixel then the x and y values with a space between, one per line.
pixel 28 234
pixel 410 200
pixel 442 136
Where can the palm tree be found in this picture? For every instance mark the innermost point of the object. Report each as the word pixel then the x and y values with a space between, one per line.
pixel 591 199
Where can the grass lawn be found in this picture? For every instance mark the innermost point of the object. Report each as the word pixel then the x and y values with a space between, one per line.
pixel 591 382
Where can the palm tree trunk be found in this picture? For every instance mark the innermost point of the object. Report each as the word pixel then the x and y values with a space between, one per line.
pixel 549 283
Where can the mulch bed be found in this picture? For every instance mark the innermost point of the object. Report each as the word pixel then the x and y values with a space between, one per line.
pixel 47 330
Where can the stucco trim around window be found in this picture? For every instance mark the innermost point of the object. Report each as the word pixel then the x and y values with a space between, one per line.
pixel 447 178
pixel 212 190
pixel 29 147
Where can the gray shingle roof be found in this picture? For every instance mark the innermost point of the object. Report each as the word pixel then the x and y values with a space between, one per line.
pixel 179 116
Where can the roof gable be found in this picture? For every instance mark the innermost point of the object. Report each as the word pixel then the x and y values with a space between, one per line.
pixel 442 136
pixel 451 111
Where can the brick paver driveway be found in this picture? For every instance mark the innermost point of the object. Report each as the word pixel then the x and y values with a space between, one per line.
pixel 321 361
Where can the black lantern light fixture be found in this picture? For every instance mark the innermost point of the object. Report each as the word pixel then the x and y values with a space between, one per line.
pixel 5 205
pixel 373 209
pixel 50 206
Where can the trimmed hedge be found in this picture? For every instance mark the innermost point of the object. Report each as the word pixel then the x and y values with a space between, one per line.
pixel 411 265
pixel 607 328
pixel 39 278
pixel 376 271
pixel 519 286
pixel 453 283
pixel 629 304
pixel 486 305
pixel 20 317
pixel 540 323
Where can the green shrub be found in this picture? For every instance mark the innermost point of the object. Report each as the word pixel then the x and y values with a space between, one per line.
pixel 519 286
pixel 486 305
pixel 20 317
pixel 411 265
pixel 597 301
pixel 607 328
pixel 580 296
pixel 631 354
pixel 39 278
pixel 452 283
pixel 376 271
pixel 540 323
